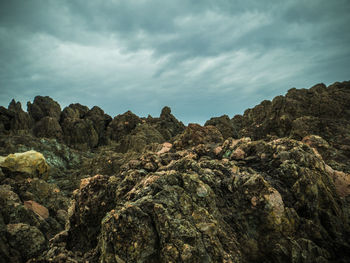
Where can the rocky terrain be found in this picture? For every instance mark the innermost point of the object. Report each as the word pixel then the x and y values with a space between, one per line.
pixel 272 185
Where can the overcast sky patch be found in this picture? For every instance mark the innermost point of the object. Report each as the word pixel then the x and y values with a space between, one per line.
pixel 201 58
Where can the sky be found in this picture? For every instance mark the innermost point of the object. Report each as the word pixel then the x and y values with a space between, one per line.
pixel 203 58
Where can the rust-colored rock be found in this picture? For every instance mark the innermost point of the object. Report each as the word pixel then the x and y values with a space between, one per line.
pixel 40 210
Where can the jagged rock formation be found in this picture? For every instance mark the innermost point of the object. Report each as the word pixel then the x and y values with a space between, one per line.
pixel 320 110
pixel 272 185
pixel 224 125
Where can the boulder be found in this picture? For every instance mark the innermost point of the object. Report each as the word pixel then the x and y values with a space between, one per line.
pixel 30 163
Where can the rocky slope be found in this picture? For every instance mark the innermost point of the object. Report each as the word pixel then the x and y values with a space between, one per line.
pixel 272 185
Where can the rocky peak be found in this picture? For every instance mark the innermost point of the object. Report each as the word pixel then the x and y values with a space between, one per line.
pixel 42 107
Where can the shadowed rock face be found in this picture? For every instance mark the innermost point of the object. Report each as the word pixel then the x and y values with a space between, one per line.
pixel 14 120
pixel 122 125
pixel 224 125
pixel 272 185
pixel 42 107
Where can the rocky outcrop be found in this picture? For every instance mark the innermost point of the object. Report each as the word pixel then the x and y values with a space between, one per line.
pixel 14 120
pixel 167 124
pixel 195 134
pixel 320 110
pixel 48 127
pixel 247 201
pixel 122 125
pixel 79 133
pixel 272 185
pixel 224 125
pixel 100 121
pixel 74 111
pixel 42 107
pixel 83 128
pixel 142 136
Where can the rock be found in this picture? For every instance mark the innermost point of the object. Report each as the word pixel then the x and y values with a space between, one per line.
pixel 122 125
pixel 79 133
pixel 27 240
pixel 95 197
pixel 195 134
pixel 37 208
pixel 14 119
pixel 62 216
pixel 74 111
pixel 224 125
pixel 139 138
pixel 341 181
pixel 151 191
pixel 165 148
pixel 47 194
pixel 31 163
pixel 42 107
pixel 83 128
pixel 168 125
pixel 320 110
pixel 100 121
pixel 5 255
pixel 48 127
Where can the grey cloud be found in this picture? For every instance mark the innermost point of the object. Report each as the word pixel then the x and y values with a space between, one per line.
pixel 202 58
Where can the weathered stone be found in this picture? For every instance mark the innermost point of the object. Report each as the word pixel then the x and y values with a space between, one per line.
pixel 48 127
pixel 122 125
pixel 37 208
pixel 91 202
pixel 320 110
pixel 100 121
pixel 42 107
pixel 165 148
pixel 195 134
pixel 139 138
pixel 27 240
pixel 224 125
pixel 14 120
pixel 168 125
pixel 74 111
pixel 31 163
pixel 282 196
pixel 79 133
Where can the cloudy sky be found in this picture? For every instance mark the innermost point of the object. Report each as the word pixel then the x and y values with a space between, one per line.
pixel 203 58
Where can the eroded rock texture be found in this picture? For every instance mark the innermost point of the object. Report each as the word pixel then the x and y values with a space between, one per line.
pixel 272 185
pixel 320 110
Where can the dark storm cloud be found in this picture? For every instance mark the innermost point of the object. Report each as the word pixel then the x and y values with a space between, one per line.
pixel 202 58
